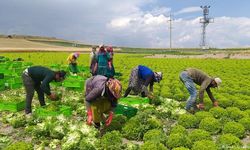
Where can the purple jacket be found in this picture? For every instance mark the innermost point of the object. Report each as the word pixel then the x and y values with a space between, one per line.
pixel 95 88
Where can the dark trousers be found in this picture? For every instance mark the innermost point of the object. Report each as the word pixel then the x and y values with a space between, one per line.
pixel 30 88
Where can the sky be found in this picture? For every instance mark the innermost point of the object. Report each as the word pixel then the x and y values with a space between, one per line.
pixel 129 23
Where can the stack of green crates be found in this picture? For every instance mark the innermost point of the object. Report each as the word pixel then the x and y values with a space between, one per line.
pixel 55 67
pixel 134 100
pixel 84 69
pixel 74 82
pixel 12 106
pixel 43 112
pixel 127 111
pixel 14 82
pixel 2 84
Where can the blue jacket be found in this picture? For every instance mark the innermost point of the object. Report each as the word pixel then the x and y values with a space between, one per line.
pixel 145 72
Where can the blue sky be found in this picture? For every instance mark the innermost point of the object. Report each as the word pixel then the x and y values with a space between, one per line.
pixel 134 23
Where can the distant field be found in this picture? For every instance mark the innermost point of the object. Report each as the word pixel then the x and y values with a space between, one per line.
pixel 19 43
pixel 24 45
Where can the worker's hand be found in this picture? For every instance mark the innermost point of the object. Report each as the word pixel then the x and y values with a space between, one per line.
pixel 216 104
pixel 110 118
pixel 52 96
pixel 89 116
pixel 200 106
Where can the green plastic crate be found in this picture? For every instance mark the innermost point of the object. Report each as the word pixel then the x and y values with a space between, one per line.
pixel 2 87
pixel 6 72
pixel 18 71
pixel 14 80
pixel 70 78
pixel 65 110
pixel 73 84
pixel 1 76
pixel 17 64
pixel 134 100
pixel 15 85
pixel 127 111
pixel 27 64
pixel 3 66
pixel 56 83
pixel 12 106
pixel 2 81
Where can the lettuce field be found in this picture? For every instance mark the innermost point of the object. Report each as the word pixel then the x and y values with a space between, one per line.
pixel 158 125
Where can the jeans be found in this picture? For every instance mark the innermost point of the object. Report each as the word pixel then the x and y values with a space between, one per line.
pixel 189 83
pixel 30 88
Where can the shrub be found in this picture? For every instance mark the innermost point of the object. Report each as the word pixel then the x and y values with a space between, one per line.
pixel 135 128
pixel 247 112
pixel 227 141
pixel 235 113
pixel 88 143
pixel 245 122
pixel 202 114
pixel 58 132
pixel 218 112
pixel 188 121
pixel 234 128
pixel 17 121
pixel 241 104
pixel 180 148
pixel 204 145
pixel 211 125
pixel 130 146
pixel 111 140
pixel 178 129
pixel 155 135
pixel 225 103
pixel 152 146
pixel 198 135
pixel 117 123
pixel 20 146
pixel 178 140
pixel 71 140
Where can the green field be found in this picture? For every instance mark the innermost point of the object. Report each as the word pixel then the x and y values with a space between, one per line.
pixel 160 125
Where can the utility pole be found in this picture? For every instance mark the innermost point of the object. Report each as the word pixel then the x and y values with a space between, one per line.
pixel 205 21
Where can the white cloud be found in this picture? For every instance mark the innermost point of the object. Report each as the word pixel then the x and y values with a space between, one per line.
pixel 149 19
pixel 122 23
pixel 188 10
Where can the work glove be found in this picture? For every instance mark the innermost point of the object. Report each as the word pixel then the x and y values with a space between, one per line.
pixel 216 104
pixel 110 118
pixel 200 106
pixel 89 116
pixel 53 96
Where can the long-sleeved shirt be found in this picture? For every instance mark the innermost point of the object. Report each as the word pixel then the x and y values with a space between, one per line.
pixel 42 75
pixel 71 59
pixel 202 79
pixel 95 88
pixel 148 76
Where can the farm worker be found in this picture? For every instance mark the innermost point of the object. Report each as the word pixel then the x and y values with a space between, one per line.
pixel 191 76
pixel 101 66
pixel 110 61
pixel 140 78
pixel 37 78
pixel 101 96
pixel 93 61
pixel 72 60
